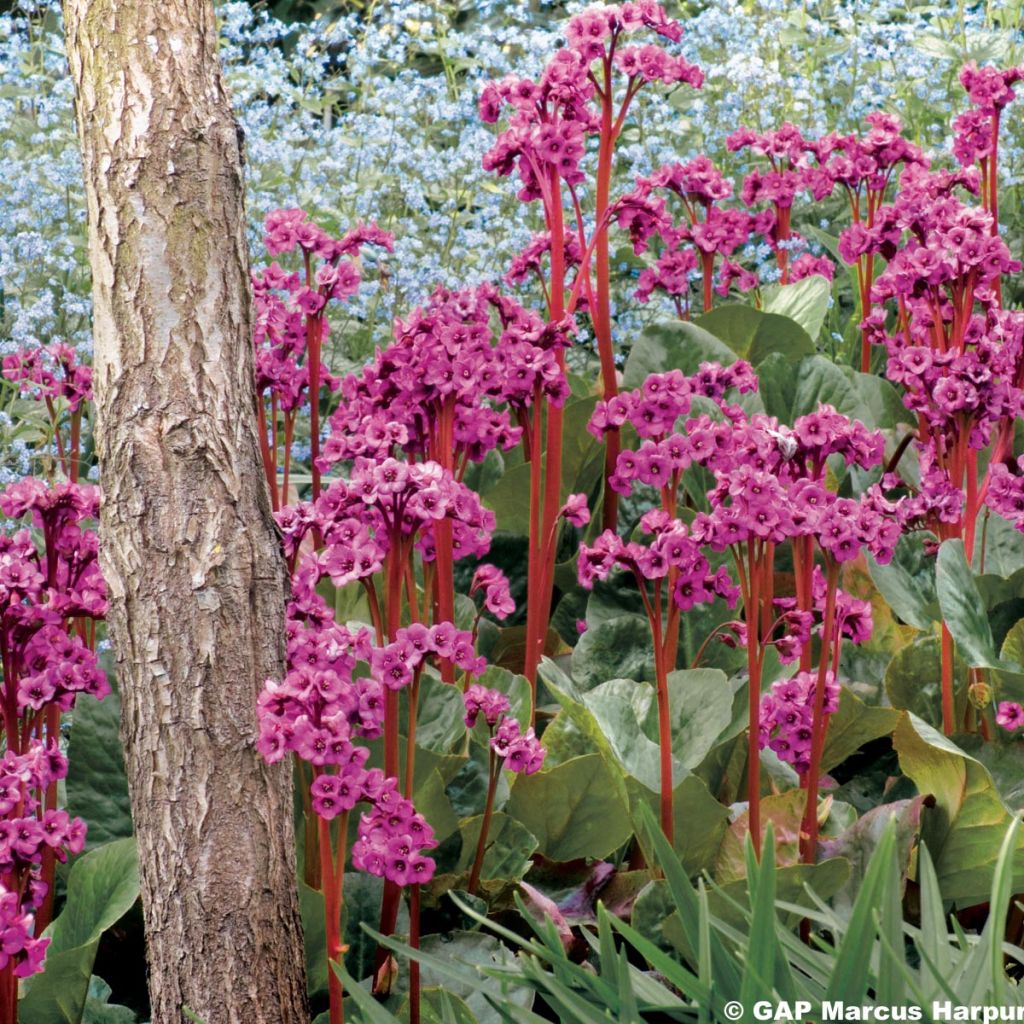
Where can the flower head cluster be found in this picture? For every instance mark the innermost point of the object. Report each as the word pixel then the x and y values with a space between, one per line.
pixel 550 118
pixel 442 387
pixel 654 408
pixel 392 835
pixel 29 831
pixel 493 584
pixel 520 751
pixel 1005 494
pixel 381 504
pixel 50 371
pixel 705 232
pixel 323 708
pixel 787 713
pixel 397 662
pixel 671 550
pixel 863 163
pixel 284 301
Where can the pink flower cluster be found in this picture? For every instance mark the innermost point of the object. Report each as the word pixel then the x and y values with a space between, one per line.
pixel 396 663
pixel 787 713
pixel 284 300
pixel 769 478
pixel 381 504
pixel 445 359
pixel 27 831
pixel 50 585
pixel 1010 715
pixel 323 706
pixel 976 131
pixel 672 549
pixel 654 408
pixel 50 371
pixel 1006 493
pixel 551 118
pixel 493 584
pixel 520 751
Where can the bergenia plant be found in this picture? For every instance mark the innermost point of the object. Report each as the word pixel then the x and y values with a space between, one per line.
pixel 586 90
pixel 51 595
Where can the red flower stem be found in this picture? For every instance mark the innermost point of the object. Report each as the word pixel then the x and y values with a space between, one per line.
pixel 601 310
pixel 531 656
pixel 261 414
pixel 414 967
pixel 948 705
pixel 76 443
pixel 57 437
pixel 664 721
pixel 445 578
pixel 754 703
pixel 493 770
pixel 289 429
pixel 809 827
pixel 314 337
pixel 707 262
pixel 394 567
pixel 553 460
pixel 274 445
pixel 410 740
pixel 333 879
pixel 49 866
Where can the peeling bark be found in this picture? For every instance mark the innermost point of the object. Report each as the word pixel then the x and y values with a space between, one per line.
pixel 188 544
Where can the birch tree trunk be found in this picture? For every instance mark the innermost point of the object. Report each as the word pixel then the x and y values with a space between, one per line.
pixel 188 544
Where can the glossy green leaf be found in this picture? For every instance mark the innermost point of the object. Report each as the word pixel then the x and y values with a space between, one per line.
pixel 853 724
pixel 673 345
pixel 573 809
pixel 754 335
pixel 97 787
pixel 102 886
pixel 962 607
pixel 967 825
pixel 805 301
pixel 508 847
pixel 908 583
pixel 618 648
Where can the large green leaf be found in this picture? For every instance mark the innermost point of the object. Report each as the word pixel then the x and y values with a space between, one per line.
pixel 673 345
pixel 618 648
pixel 754 335
pixel 908 583
pixel 97 788
pixel 913 680
pixel 789 392
pixel 700 822
pixel 858 842
pixel 964 610
pixel 507 848
pixel 363 894
pixel 965 829
pixel 573 809
pixel 853 724
pixel 625 713
pixel 478 951
pixel 440 715
pixel 805 301
pixel 102 886
pixel 1003 551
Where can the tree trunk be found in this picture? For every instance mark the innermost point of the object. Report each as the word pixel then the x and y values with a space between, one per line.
pixel 188 544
